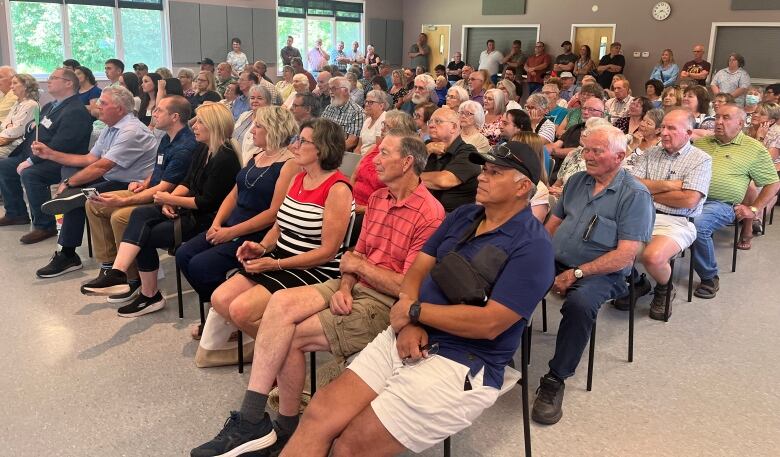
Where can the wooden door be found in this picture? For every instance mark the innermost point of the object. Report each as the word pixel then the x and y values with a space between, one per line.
pixel 439 41
pixel 598 38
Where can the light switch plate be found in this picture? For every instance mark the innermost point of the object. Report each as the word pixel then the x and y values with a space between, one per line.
pixel 645 53
pixel 637 53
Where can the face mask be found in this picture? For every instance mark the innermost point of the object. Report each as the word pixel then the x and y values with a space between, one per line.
pixel 751 99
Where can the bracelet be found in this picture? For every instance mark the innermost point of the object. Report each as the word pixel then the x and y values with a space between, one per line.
pixel 265 249
pixel 278 264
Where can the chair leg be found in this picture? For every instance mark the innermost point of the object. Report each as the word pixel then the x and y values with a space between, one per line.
pixel 591 356
pixel 313 370
pixel 524 386
pixel 690 280
pixel 178 291
pixel 530 336
pixel 202 312
pixel 240 351
pixel 631 314
pixel 544 315
pixel 763 223
pixel 447 445
pixel 736 240
pixel 89 237
pixel 771 215
pixel 669 286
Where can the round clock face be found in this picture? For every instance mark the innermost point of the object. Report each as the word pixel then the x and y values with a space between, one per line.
pixel 661 11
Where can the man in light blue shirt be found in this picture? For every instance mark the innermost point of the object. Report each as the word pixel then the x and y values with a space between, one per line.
pixel 339 58
pixel 124 152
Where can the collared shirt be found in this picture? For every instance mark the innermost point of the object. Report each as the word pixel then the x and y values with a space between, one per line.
pixel 592 225
pixel 490 61
pixel 316 60
pixel 735 164
pixel 456 160
pixel 174 157
pixel 617 108
pixel 690 165
pixel 222 85
pixel 334 56
pixel 287 53
pixel 394 231
pixel 277 99
pixel 7 100
pixel 240 105
pixel 728 81
pixel 350 116
pixel 520 284
pixel 355 56
pixel 131 146
pixel 567 94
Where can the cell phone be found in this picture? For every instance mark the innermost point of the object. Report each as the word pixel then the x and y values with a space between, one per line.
pixel 90 192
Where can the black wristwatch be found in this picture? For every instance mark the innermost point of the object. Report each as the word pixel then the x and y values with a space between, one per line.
pixel 414 312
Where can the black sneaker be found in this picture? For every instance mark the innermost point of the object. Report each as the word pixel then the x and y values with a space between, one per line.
pixel 282 437
pixel 112 282
pixel 237 437
pixel 101 273
pixel 548 406
pixel 642 288
pixel 59 265
pixel 135 289
pixel 71 199
pixel 142 305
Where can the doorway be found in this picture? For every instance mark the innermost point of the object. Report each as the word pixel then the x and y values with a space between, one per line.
pixel 597 36
pixel 439 41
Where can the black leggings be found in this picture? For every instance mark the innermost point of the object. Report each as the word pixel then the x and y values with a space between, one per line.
pixel 150 230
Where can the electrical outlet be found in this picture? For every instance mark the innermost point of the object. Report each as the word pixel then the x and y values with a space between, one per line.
pixel 645 54
pixel 637 54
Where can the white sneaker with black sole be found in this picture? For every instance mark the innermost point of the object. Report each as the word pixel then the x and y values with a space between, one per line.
pixel 135 289
pixel 142 305
pixel 71 199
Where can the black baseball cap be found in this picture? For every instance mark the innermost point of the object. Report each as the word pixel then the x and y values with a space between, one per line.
pixel 206 61
pixel 565 43
pixel 513 154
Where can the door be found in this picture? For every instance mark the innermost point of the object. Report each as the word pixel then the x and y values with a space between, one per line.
pixel 598 37
pixel 439 41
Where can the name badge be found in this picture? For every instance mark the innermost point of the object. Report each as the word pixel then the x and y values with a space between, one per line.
pixel 46 122
pixel 159 160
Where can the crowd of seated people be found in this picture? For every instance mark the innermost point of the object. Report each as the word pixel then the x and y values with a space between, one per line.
pixel 568 190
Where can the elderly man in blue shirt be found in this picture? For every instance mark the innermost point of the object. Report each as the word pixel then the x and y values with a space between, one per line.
pixel 601 222
pixel 442 360
pixel 124 152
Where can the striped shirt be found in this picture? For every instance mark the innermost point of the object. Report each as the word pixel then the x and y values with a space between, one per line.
pixel 300 220
pixel 349 116
pixel 395 231
pixel 735 164
pixel 690 165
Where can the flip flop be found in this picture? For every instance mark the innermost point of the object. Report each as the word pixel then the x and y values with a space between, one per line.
pixel 744 245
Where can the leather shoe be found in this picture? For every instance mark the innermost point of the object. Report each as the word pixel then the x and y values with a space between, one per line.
pixel 37 235
pixel 14 220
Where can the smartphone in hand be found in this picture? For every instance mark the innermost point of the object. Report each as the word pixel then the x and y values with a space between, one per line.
pixel 91 193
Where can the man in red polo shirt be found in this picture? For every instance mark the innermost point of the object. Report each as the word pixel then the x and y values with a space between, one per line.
pixel 536 66
pixel 341 315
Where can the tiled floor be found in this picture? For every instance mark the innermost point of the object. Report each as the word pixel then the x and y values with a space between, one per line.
pixel 79 381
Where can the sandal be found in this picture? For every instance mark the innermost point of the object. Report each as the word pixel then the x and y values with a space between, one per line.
pixel 196 330
pixel 744 244
pixel 707 291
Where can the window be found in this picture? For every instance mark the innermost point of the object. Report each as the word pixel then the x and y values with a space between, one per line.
pixel 308 20
pixel 44 34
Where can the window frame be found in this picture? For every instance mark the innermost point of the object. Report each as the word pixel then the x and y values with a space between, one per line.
pixel 119 39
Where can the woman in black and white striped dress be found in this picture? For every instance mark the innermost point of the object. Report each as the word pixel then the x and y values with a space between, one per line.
pixel 305 244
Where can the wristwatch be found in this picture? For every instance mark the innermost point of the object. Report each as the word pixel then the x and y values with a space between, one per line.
pixel 754 209
pixel 67 183
pixel 578 273
pixel 414 312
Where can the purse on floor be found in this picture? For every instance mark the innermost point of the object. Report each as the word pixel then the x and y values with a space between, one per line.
pixel 217 348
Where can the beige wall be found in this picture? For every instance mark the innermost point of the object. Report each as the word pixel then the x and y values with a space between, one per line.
pixel 689 23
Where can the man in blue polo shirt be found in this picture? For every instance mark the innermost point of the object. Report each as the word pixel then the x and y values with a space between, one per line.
pixel 599 225
pixel 441 362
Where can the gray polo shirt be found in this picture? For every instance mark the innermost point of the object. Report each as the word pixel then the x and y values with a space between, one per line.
pixel 131 146
pixel 622 211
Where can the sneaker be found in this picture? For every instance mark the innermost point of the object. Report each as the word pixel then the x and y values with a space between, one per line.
pixel 112 282
pixel 642 288
pixel 101 273
pixel 59 265
pixel 237 437
pixel 282 437
pixel 135 289
pixel 548 406
pixel 61 205
pixel 658 305
pixel 142 305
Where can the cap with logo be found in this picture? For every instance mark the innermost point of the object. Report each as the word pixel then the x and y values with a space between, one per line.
pixel 512 154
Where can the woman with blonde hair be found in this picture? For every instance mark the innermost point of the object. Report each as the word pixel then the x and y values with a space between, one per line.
pixel 285 85
pixel 510 92
pixel 540 203
pixel 249 210
pixel 671 98
pixel 666 71
pixel 494 103
pixel 176 215
pixel 12 128
pixel 205 91
pixel 398 89
pixel 305 244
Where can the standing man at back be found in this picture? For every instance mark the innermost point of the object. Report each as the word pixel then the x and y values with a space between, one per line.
pixel 419 52
pixel 697 69
pixel 288 52
pixel 610 65
pixel 490 59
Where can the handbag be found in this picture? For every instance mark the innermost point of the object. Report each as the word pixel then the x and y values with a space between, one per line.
pixel 216 347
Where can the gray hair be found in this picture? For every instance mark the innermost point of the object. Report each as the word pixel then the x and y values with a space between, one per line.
pixel 460 92
pixel 400 121
pixel 499 100
pixel 657 116
pixel 740 112
pixel 616 139
pixel 340 81
pixel 121 96
pixel 411 145
pixel 538 100
pixel 351 77
pixel 427 80
pixel 186 71
pixel 509 86
pixel 381 96
pixel 479 111
pixel 263 91
pixel 690 121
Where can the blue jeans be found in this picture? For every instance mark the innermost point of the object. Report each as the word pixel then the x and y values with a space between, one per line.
pixel 37 181
pixel 205 265
pixel 579 310
pixel 714 216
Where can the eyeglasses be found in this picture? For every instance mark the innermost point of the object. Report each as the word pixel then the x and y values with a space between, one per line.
pixel 452 96
pixel 592 110
pixel 428 349
pixel 52 77
pixel 502 151
pixel 477 79
pixel 439 122
pixel 466 113
pixel 297 139
pixel 370 102
pixel 417 115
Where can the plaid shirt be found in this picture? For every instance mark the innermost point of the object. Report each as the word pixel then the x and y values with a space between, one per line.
pixel 349 116
pixel 690 165
pixel 277 100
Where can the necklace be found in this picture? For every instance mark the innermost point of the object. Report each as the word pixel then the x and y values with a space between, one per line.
pixel 260 176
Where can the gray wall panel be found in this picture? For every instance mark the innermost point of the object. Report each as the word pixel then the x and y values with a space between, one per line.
pixel 185 32
pixel 394 46
pixel 239 24
pixel 752 43
pixel 476 40
pixel 214 32
pixel 376 35
pixel 264 28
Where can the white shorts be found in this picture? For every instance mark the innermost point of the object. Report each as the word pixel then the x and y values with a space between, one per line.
pixel 421 404
pixel 678 228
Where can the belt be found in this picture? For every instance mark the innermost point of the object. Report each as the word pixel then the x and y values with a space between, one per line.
pixel 658 211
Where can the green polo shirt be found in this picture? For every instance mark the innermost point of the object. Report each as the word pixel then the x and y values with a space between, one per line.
pixel 735 164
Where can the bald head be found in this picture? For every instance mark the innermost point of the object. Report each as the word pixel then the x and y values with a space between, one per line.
pixel 6 74
pixel 444 125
